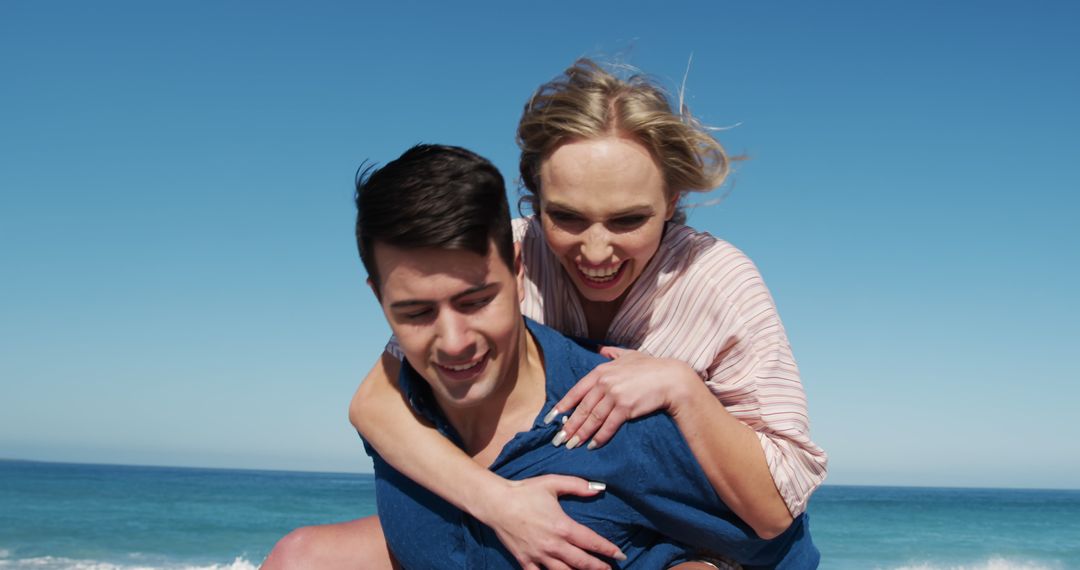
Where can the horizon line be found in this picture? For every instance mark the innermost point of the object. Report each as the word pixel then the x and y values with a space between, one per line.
pixel 318 472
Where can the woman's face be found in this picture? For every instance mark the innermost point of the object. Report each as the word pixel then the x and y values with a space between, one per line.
pixel 603 208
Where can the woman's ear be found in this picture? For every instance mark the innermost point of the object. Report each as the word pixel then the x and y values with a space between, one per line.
pixel 672 205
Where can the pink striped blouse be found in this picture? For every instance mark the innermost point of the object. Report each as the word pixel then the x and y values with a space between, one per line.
pixel 702 301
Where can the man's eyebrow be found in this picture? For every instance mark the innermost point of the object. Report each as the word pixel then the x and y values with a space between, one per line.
pixel 408 303
pixel 420 302
pixel 474 290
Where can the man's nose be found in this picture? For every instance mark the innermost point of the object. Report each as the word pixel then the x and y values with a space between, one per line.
pixel 455 336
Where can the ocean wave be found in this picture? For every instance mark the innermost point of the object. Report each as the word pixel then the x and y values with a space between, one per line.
pixel 995 563
pixel 60 563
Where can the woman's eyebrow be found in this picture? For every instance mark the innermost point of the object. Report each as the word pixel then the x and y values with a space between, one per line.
pixel 633 210
pixel 549 205
pixel 639 209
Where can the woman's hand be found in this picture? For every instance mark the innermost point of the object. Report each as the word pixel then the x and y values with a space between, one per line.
pixel 632 385
pixel 528 520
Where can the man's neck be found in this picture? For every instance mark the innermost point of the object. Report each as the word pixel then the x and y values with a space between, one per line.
pixel 486 428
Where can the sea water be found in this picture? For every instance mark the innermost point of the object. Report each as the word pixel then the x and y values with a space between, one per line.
pixel 103 517
pixel 107 517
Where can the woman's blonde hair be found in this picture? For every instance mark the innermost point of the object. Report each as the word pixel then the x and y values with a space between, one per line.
pixel 588 102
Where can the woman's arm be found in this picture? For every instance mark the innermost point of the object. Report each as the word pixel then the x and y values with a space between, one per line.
pixel 635 384
pixel 732 457
pixel 721 315
pixel 524 514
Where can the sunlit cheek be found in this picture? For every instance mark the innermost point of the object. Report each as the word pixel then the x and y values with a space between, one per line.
pixel 643 245
pixel 560 242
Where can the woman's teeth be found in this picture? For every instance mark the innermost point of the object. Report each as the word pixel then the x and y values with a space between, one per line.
pixel 600 274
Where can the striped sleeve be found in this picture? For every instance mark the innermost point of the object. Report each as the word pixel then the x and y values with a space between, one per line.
pixel 394 348
pixel 753 372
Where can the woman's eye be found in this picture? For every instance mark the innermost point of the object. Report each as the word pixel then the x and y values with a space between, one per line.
pixel 563 218
pixel 630 221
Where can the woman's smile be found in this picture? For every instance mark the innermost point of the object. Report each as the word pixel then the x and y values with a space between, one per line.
pixel 601 277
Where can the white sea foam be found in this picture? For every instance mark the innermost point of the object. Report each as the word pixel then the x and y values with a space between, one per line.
pixel 60 563
pixel 995 563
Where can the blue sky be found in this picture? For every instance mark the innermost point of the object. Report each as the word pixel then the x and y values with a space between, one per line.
pixel 180 286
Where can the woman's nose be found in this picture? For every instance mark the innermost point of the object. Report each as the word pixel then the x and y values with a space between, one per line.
pixel 596 248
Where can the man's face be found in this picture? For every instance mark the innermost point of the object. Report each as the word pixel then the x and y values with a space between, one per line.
pixel 456 317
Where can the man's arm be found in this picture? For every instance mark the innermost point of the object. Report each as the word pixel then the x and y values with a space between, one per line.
pixel 525 515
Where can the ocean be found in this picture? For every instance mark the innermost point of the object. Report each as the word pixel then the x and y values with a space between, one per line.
pixel 109 517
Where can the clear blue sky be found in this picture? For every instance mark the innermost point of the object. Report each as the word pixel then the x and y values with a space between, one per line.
pixel 179 283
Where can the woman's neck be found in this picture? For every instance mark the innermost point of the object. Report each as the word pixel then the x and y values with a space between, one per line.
pixel 600 315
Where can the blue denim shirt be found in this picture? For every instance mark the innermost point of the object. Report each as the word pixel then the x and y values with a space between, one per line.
pixel 659 506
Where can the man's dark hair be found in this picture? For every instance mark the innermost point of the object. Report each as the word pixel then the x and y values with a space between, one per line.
pixel 432 196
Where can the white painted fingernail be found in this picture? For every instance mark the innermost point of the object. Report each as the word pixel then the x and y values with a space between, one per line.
pixel 573 442
pixel 597 486
pixel 559 438
pixel 592 445
pixel 551 415
pixel 564 418
pixel 620 556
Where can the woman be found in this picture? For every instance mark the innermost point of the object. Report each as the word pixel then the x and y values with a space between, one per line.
pixel 606 163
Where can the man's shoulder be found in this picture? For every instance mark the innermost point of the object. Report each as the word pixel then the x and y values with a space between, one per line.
pixel 566 359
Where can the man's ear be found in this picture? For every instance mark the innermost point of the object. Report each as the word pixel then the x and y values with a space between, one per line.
pixel 374 289
pixel 519 272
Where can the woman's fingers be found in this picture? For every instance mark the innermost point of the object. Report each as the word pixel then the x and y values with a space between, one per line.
pixel 573 397
pixel 611 424
pixel 590 419
pixel 580 540
pixel 539 534
pixel 612 352
pixel 572 557
pixel 631 385
pixel 579 557
pixel 569 485
pixel 573 423
pixel 555 564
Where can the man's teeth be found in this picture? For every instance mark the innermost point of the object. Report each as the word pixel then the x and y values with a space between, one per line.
pixel 600 274
pixel 461 367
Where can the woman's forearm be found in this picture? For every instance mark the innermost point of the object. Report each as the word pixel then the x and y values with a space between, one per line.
pixel 380 413
pixel 730 453
pixel 634 384
pixel 525 515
